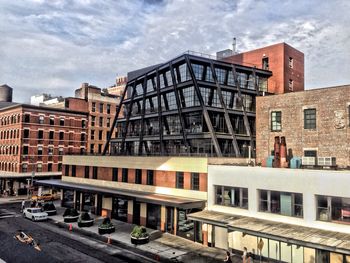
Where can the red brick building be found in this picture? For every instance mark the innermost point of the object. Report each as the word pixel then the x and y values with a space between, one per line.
pixel 33 140
pixel 101 109
pixel 315 123
pixel 285 62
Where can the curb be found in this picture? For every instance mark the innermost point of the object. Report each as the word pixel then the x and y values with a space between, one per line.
pixel 133 248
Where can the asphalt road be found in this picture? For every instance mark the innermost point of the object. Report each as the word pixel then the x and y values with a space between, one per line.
pixel 56 244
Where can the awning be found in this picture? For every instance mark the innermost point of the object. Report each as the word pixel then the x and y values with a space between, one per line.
pixel 160 199
pixel 292 234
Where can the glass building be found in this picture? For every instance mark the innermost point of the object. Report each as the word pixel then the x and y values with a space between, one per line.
pixel 191 106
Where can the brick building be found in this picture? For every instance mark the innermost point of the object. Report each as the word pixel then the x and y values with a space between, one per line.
pixel 285 62
pixel 33 141
pixel 315 123
pixel 101 108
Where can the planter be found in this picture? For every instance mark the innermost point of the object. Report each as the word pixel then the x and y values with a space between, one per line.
pixel 70 219
pixel 139 241
pixel 86 223
pixel 109 230
pixel 51 212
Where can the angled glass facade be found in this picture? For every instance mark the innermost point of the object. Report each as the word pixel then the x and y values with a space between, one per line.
pixel 190 106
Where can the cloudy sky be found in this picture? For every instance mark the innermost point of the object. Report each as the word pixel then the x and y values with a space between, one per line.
pixel 53 46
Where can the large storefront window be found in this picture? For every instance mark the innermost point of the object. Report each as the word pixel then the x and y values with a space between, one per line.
pixel 185 227
pixel 231 196
pixel 288 204
pixel 68 198
pixel 153 216
pixel 89 202
pixel 333 209
pixel 120 209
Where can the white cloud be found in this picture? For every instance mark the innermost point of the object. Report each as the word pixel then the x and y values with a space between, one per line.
pixel 53 46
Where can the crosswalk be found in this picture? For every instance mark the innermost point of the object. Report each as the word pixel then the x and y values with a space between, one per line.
pixel 4 213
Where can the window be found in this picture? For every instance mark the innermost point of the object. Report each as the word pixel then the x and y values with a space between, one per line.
pixel 61 136
pixel 50 151
pixel 101 108
pixel 108 124
pixel 24 167
pixel 180 180
pixel 138 176
pixel 195 181
pixel 100 123
pixel 61 121
pixel 87 172
pixel 92 147
pixel 39 167
pixel 93 119
pixel 310 153
pixel 108 108
pixel 330 208
pixel 27 118
pixel 74 170
pixel 40 134
pixel 231 196
pixel 40 150
pixel 290 62
pixel 100 148
pixel 51 136
pixel 290 85
pixel 26 133
pixel 115 174
pixel 94 172
pixel 59 167
pixel 93 106
pixel 283 203
pixel 41 119
pixel 92 135
pixel 150 177
pixel 49 167
pixel 276 121
pixel 310 119
pixel 100 134
pixel 60 151
pixel 83 123
pixel 52 120
pixel 125 175
pixel 265 63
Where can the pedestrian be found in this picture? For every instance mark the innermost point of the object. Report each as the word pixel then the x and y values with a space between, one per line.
pixel 244 256
pixel 228 257
pixel 23 205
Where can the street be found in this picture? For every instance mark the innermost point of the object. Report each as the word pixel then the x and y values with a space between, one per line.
pixel 57 245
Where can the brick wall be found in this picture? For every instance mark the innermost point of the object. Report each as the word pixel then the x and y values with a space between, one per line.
pixel 331 138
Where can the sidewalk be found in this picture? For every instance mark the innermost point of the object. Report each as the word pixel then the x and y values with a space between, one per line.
pixel 167 248
pixel 13 199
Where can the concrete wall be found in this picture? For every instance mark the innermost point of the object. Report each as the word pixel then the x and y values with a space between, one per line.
pixel 307 182
pixel 331 138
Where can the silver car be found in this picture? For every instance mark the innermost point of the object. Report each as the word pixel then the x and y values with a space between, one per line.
pixel 35 214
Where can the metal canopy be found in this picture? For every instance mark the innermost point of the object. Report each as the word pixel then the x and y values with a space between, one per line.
pixel 292 234
pixel 141 196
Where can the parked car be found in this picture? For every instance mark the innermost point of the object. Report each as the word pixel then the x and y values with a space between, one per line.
pixel 35 214
pixel 45 197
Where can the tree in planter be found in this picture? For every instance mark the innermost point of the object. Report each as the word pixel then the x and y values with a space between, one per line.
pixel 50 208
pixel 85 220
pixel 106 227
pixel 70 215
pixel 139 235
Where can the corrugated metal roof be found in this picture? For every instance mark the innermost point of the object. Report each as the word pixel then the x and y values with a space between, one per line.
pixel 294 234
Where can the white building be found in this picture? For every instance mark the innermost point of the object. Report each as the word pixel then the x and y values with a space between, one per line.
pixel 293 215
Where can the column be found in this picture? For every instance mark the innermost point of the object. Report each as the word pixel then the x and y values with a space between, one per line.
pixel 162 218
pixel 81 201
pixel 175 221
pixel 205 234
pixel 75 199
pixel 130 211
pixel 143 214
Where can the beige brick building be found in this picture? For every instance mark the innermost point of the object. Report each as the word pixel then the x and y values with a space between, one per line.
pixel 313 122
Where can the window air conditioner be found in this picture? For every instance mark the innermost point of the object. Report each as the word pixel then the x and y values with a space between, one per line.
pixel 308 160
pixel 326 161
